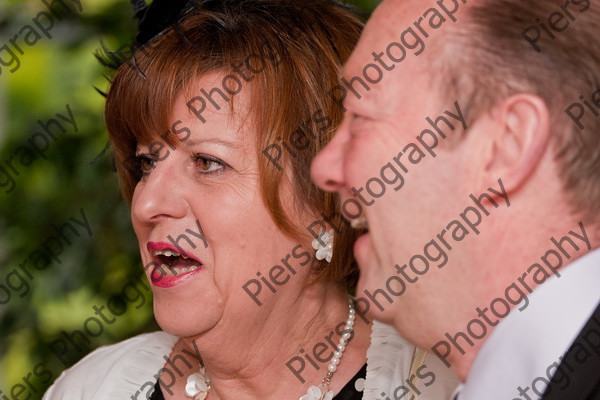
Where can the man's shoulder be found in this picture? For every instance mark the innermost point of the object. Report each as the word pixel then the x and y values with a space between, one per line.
pixel 101 371
pixel 578 375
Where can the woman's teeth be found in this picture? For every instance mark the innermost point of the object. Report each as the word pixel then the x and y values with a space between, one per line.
pixel 175 263
pixel 169 253
pixel 181 270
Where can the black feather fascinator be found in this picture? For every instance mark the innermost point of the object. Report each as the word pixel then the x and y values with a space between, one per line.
pixel 153 20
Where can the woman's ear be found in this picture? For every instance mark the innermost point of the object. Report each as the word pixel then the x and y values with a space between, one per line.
pixel 521 130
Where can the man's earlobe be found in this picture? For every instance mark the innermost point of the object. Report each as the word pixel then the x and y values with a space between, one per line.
pixel 520 141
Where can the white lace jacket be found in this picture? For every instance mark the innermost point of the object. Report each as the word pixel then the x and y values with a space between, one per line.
pixel 125 371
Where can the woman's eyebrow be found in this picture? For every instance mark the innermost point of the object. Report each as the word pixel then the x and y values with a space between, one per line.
pixel 222 142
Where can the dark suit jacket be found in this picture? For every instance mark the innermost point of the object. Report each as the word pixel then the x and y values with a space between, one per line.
pixel 581 364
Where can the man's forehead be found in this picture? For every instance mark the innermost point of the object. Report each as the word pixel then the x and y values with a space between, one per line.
pixel 392 12
pixel 383 27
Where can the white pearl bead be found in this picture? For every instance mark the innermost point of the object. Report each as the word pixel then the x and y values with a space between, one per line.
pixel 346 334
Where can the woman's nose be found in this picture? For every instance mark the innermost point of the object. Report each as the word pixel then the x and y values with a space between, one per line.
pixel 159 194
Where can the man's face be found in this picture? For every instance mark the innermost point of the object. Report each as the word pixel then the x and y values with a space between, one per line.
pixel 370 152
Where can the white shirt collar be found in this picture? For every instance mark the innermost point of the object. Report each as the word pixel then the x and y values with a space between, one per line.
pixel 526 343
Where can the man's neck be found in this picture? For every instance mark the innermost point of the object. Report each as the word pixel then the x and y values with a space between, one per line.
pixel 512 267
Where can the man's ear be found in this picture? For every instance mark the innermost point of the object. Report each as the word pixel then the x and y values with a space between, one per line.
pixel 521 131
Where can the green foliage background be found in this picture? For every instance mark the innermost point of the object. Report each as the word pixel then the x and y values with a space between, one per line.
pixel 54 73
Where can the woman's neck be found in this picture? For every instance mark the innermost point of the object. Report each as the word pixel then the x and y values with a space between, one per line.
pixel 281 355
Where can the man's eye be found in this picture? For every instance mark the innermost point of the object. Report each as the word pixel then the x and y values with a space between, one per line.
pixel 354 125
pixel 208 165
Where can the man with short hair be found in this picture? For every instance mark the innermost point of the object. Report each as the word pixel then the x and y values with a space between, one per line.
pixel 470 150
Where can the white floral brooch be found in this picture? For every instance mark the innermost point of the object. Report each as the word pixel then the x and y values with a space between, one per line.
pixel 198 385
pixel 316 393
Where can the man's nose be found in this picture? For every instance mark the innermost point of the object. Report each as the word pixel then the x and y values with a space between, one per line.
pixel 327 168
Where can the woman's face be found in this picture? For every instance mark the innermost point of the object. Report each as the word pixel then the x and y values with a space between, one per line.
pixel 203 201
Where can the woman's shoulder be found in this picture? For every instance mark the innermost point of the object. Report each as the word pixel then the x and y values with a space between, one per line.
pixel 114 371
pixel 401 370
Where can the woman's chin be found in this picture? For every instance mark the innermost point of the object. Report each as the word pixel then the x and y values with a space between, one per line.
pixel 185 320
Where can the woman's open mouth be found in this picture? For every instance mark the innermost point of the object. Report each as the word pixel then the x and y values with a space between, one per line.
pixel 172 266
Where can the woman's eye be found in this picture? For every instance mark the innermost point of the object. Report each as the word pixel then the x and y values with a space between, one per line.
pixel 208 165
pixel 144 165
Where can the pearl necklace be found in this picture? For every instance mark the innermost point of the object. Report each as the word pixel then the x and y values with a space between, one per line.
pixel 198 383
